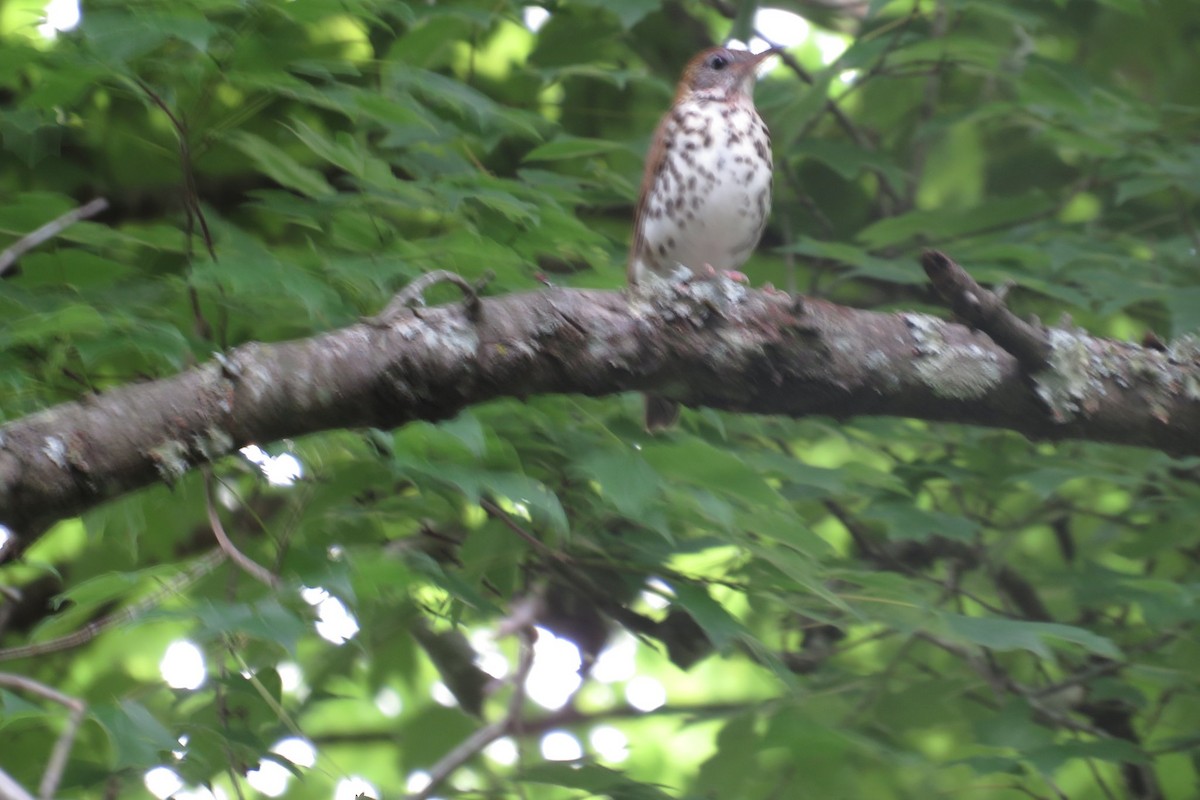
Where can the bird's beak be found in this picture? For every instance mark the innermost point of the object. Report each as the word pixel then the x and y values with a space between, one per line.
pixel 764 55
pixel 754 68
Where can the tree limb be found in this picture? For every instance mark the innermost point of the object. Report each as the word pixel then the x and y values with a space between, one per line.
pixel 62 747
pixel 198 569
pixel 703 344
pixel 11 790
pixel 247 564
pixel 474 744
pixel 48 231
pixel 985 310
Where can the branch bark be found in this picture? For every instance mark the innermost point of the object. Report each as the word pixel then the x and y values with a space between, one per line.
pixel 985 310
pixel 703 344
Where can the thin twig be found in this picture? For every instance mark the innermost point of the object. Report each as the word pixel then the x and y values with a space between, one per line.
pixel 30 686
pixel 14 597
pixel 206 564
pixel 1003 684
pixel 58 757
pixel 464 752
pixel 233 768
pixel 62 748
pixel 48 231
pixel 1016 787
pixel 414 294
pixel 1098 778
pixel 474 744
pixel 11 790
pixel 517 702
pixel 247 564
pixel 858 532
pixel 1021 593
pixel 569 717
pixel 193 212
pixel 191 194
pixel 499 513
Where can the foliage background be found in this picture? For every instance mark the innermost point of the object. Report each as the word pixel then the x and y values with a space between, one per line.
pixel 898 609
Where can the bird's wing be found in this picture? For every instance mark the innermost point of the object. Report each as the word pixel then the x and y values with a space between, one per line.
pixel 656 161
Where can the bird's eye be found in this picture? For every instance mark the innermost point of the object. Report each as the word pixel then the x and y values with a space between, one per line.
pixel 718 62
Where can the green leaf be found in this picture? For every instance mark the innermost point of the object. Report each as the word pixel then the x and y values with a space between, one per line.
pixel 862 263
pixel 801 570
pixel 710 615
pixel 990 765
pixel 1143 185
pixel 526 493
pixel 1184 304
pixel 267 621
pixel 430 733
pixel 503 202
pixel 466 428
pixel 903 520
pixel 629 12
pixel 1010 634
pixel 848 159
pixel 257 278
pixel 443 92
pixel 742 27
pixel 570 148
pixel 1049 759
pixel 31 134
pixel 454 659
pixel 945 223
pixel 15 708
pixel 697 462
pixel 80 602
pixel 121 36
pixel 452 582
pixel 63 323
pixel 737 744
pixel 279 166
pixel 74 267
pixel 343 154
pixel 624 479
pixel 139 740
pixel 398 110
pixel 1012 726
pixel 592 778
pixel 1135 8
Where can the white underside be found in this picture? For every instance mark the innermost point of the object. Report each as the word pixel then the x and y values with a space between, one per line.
pixel 726 223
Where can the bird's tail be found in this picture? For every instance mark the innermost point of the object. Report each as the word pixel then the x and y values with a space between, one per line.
pixel 660 413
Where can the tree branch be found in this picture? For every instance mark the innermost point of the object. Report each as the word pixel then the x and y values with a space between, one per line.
pixel 48 231
pixel 62 748
pixel 703 344
pixel 985 310
pixel 198 569
pixel 11 790
pixel 474 744
pixel 247 564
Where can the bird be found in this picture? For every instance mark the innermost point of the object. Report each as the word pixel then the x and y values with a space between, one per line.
pixel 706 187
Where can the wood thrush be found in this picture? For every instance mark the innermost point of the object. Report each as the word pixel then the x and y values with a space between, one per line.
pixel 706 189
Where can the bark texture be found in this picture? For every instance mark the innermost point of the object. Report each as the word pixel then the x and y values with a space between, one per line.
pixel 704 344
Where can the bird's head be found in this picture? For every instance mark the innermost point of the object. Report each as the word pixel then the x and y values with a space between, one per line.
pixel 721 73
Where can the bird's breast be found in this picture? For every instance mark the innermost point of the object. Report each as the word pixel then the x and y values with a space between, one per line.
pixel 711 196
